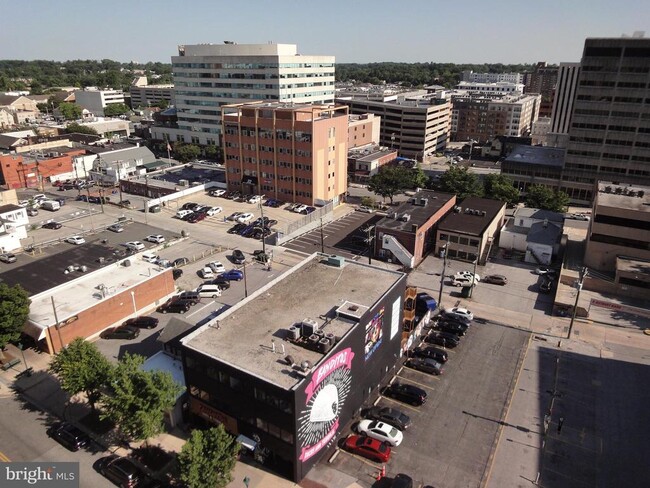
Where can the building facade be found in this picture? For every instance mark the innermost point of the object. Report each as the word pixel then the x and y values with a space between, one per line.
pixel 365 162
pixel 32 171
pixel 145 95
pixel 13 226
pixel 95 100
pixel 287 368
pixel 290 152
pixel 498 88
pixel 363 130
pixel 542 81
pixel 470 76
pixel 534 165
pixel 565 93
pixel 207 77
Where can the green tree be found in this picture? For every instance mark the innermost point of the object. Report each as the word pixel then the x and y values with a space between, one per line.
pixel 74 128
pixel 390 181
pixel 500 187
pixel 460 181
pixel 115 109
pixel 186 152
pixel 161 104
pixel 82 368
pixel 208 458
pixel 418 178
pixel 70 111
pixel 544 197
pixel 137 400
pixel 14 308
pixel 213 152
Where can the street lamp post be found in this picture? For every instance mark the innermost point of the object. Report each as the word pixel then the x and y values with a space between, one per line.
pixel 471 146
pixel 245 282
pixel 135 309
pixel 583 274
pixel 471 289
pixel 442 275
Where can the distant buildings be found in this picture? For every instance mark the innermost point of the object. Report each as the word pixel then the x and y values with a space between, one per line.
pixel 542 81
pixel 96 100
pixel 207 77
pixel 472 77
pixel 565 92
pixel 144 95
pixel 534 165
pixel 498 88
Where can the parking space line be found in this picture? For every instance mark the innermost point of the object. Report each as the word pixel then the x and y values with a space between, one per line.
pixel 202 308
pixel 432 376
pixel 401 404
pixel 417 382
pixel 362 459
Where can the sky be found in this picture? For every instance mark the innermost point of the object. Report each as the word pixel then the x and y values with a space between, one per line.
pixel 355 31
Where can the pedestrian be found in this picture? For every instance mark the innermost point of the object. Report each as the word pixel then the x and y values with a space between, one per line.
pixel 560 424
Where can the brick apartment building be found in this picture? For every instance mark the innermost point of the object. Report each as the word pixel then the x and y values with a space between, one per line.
pixel 22 171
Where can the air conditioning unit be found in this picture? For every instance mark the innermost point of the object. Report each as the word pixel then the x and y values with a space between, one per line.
pixel 183 183
pixel 314 338
pixel 309 327
pixel 126 263
pixel 406 217
pixel 324 345
pixel 294 333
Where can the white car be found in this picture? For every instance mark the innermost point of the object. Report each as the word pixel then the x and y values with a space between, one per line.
pixel 76 240
pixel 459 312
pixel 216 267
pixel 183 213
pixel 300 208
pixel 217 193
pixel 462 281
pixel 245 218
pixel 468 275
pixel 214 211
pixel 115 228
pixel 381 431
pixel 155 238
pixel 206 273
pixel 363 208
pixel 134 245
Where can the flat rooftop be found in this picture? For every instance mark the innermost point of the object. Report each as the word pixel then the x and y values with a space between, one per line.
pixel 473 217
pixel 418 214
pixel 545 156
pixel 624 196
pixel 243 337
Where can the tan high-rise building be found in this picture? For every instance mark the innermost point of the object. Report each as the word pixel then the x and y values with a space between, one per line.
pixel 295 153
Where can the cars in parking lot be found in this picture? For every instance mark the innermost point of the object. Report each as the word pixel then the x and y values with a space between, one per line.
pixel 180 261
pixel 461 281
pixel 216 267
pixel 364 208
pixel 177 273
pixel 467 274
pixel 458 312
pixel 217 193
pixel 426 365
pixel 402 480
pixel 51 225
pixel 174 306
pixel 368 448
pixel 120 332
pixel 213 211
pixel 442 339
pixel 235 229
pixel 68 436
pixel 431 352
pixel 452 327
pixel 121 471
pixel 222 283
pixel 234 215
pixel 299 208
pixel 391 416
pixel 255 199
pixel 155 238
pixel 143 322
pixel 496 279
pixel 116 228
pixel 245 217
pixel 76 240
pixel 183 213
pixel 206 273
pixel 196 217
pixel 543 270
pixel 381 431
pixel 232 275
pixel 406 393
pixel 272 202
pixel 238 257
pixel 134 245
pixel 8 257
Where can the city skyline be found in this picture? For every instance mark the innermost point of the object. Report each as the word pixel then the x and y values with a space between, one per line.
pixel 354 32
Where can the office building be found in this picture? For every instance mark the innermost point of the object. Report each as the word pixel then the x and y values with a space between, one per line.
pixel 290 366
pixel 363 130
pixel 609 134
pixel 289 152
pixel 470 76
pixel 542 81
pixel 95 100
pixel 498 88
pixel 565 92
pixel 145 95
pixel 207 77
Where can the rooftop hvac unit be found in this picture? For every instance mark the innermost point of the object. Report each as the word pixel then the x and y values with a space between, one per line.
pixel 294 333
pixel 338 261
pixel 289 360
pixel 126 263
pixel 406 217
pixel 324 345
pixel 309 327
pixel 314 338
pixel 331 337
pixel 183 183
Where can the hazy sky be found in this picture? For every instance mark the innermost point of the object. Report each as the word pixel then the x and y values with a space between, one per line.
pixel 466 31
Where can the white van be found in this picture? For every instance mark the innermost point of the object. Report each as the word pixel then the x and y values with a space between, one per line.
pixel 183 213
pixel 51 205
pixel 209 291
pixel 150 257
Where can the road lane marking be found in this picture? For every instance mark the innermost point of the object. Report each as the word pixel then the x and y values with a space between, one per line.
pixel 416 382
pixel 405 405
pixel 202 308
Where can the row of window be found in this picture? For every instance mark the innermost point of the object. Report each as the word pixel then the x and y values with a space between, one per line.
pixel 248 66
pixel 465 241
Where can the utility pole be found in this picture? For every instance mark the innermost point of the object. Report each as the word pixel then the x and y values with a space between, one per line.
pixel 442 275
pixel 471 290
pixel 56 324
pixel 369 241
pixel 322 237
pixel 245 283
pixel 263 228
pixel 583 274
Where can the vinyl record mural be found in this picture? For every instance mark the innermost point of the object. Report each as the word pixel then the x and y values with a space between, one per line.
pixel 326 393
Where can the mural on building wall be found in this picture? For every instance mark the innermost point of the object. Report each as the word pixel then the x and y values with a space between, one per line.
pixel 325 395
pixel 374 333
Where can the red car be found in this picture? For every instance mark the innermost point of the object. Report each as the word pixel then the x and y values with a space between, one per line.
pixel 369 448
pixel 196 217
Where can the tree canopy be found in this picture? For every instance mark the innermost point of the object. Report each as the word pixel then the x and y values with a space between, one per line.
pixel 208 458
pixel 186 152
pixel 115 109
pixel 14 308
pixel 137 400
pixel 82 368
pixel 70 111
pixel 500 187
pixel 540 196
pixel 460 181
pixel 74 128
pixel 391 180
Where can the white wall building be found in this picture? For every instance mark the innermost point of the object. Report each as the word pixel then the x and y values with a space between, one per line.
pixel 13 226
pixel 565 93
pixel 207 76
pixel 96 100
pixel 499 88
pixel 492 77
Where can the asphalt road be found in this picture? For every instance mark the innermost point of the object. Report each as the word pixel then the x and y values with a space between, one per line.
pixel 453 433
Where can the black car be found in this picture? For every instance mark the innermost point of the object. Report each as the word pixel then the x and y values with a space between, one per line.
pixel 238 257
pixel 546 285
pixel 454 318
pixel 452 327
pixel 402 480
pixel 181 262
pixel 174 306
pixel 177 273
pixel 51 225
pixel 121 332
pixel 431 352
pixel 188 217
pixel 406 393
pixel 143 322
pixel 121 471
pixel 443 339
pixel 390 416
pixel 68 436
pixel 237 228
pixel 426 365
pixel 191 297
pixel 189 206
pixel 495 279
pixel 222 283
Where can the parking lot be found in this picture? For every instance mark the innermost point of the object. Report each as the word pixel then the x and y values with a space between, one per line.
pixel 453 433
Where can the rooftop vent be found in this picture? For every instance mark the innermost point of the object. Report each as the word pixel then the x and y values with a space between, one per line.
pixel 405 217
pixel 352 311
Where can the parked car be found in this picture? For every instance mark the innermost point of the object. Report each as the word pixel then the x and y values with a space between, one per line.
pixel 431 352
pixel 196 217
pixel 189 206
pixel 134 246
pixel 155 238
pixel 546 285
pixel 216 267
pixel 234 216
pixel 452 327
pixel 458 312
pixel 217 193
pixel 212 211
pixel 180 261
pixel 443 339
pixel 468 274
pixel 191 297
pixel 8 257
pixel 381 431
pixel 116 228
pixel 32 211
pixel 368 448
pixel 402 480
pixel 461 281
pixel 232 275
pixel 76 240
pixel 388 415
pixel 143 322
pixel 300 208
pixel 120 332
pixel 255 199
pixel 121 471
pixel 51 225
pixel 426 365
pixel 206 273
pixel 365 209
pixel 183 213
pixel 174 306
pixel 496 279
pixel 151 257
pixel 543 271
pixel 245 218
pixel 177 273
pixel 406 393
pixel 68 436
pixel 235 229
pixel 238 257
